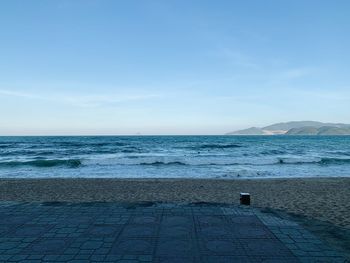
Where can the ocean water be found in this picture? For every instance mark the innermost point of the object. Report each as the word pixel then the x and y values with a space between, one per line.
pixel 230 157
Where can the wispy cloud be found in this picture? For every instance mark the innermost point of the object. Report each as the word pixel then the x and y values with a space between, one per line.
pixel 295 73
pixel 238 58
pixel 337 95
pixel 274 70
pixel 18 94
pixel 103 100
pixel 82 100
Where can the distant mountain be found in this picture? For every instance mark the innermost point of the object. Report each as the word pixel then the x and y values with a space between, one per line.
pixel 298 128
pixel 324 130
pixel 303 131
pixel 249 131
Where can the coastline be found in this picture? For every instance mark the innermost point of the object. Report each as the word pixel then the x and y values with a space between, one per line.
pixel 324 199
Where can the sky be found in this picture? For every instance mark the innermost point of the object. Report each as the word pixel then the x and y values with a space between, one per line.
pixel 84 67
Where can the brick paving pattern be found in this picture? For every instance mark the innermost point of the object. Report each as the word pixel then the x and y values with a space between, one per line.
pixel 130 233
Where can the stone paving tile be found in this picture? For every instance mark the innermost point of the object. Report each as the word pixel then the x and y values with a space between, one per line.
pixel 14 219
pixel 175 247
pixel 47 246
pixel 29 230
pixel 6 228
pixel 226 247
pixel 182 232
pixel 269 259
pixel 265 247
pixel 251 232
pixel 112 232
pixel 225 259
pixel 139 231
pixel 134 246
pixel 102 230
pixel 179 259
pixel 304 245
pixel 214 232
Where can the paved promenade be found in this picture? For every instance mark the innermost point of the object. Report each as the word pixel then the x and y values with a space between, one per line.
pixel 130 233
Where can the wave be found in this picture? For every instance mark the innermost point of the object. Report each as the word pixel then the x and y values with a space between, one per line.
pixel 298 160
pixel 322 161
pixel 4 146
pixel 65 153
pixel 89 144
pixel 135 160
pixel 217 146
pixel 335 161
pixel 27 153
pixel 75 163
pixel 131 150
pixel 256 162
pixel 71 163
pixel 176 160
pixel 102 144
pixel 164 163
pixel 244 173
pixel 344 153
pixel 273 152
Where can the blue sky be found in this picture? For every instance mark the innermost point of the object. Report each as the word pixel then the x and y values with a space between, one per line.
pixel 171 67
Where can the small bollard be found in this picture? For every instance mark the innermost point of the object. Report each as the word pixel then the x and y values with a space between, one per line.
pixel 245 198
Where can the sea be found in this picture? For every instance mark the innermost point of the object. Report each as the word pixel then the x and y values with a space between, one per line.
pixel 226 157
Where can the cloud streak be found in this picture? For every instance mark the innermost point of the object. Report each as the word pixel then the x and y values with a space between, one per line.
pixel 103 100
pixel 18 94
pixel 83 100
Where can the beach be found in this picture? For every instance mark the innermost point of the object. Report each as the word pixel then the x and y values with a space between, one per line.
pixel 324 199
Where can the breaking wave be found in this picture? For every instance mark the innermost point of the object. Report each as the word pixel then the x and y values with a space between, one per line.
pixel 272 152
pixel 75 163
pixel 164 163
pixel 335 161
pixel 71 163
pixel 323 161
pixel 215 161
pixel 256 162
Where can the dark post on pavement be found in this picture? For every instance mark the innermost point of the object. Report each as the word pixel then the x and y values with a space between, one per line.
pixel 245 198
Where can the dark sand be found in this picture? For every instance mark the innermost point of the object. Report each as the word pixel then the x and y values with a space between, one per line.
pixel 326 199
